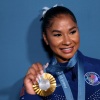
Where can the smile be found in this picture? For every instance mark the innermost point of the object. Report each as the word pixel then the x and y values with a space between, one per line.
pixel 67 50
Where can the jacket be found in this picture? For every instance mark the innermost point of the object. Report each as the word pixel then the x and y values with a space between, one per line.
pixel 91 78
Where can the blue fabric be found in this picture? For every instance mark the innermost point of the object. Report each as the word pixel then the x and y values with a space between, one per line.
pixel 92 92
pixel 55 66
pixel 81 82
pixel 65 85
pixel 30 97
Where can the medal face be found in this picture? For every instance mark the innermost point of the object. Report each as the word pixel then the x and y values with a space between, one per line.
pixel 92 78
pixel 46 86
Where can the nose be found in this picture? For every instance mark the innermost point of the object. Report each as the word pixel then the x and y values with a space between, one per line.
pixel 66 40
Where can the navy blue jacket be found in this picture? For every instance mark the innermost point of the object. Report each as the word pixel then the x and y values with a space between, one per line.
pixel 91 77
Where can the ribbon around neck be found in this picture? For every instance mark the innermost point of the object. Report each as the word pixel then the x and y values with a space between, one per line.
pixel 55 68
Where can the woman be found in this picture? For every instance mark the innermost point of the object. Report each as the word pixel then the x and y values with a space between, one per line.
pixel 77 76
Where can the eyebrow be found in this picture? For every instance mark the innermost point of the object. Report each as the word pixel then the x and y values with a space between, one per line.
pixel 60 31
pixel 56 31
pixel 72 28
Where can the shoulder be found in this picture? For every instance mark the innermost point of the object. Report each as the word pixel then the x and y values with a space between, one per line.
pixel 90 59
pixel 90 64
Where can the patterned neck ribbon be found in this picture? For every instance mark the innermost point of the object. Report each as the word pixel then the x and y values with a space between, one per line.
pixel 55 68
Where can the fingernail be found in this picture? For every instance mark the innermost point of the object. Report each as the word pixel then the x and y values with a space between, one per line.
pixel 39 76
pixel 37 80
pixel 41 71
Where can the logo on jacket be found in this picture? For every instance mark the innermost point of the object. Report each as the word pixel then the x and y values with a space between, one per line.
pixel 92 78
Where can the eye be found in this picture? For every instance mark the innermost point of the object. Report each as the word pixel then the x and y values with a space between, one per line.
pixel 72 32
pixel 58 34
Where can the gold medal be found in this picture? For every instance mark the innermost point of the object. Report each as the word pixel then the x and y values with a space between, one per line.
pixel 46 85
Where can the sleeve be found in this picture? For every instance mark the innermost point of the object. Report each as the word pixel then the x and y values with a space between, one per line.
pixel 25 96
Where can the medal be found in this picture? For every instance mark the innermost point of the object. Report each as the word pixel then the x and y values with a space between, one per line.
pixel 46 85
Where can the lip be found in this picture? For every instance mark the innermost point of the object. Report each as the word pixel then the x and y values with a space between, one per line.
pixel 67 50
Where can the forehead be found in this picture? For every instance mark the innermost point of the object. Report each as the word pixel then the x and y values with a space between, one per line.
pixel 62 21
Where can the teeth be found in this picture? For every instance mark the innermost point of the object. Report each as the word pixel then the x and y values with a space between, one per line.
pixel 67 49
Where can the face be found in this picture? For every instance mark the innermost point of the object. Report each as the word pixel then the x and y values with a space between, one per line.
pixel 62 37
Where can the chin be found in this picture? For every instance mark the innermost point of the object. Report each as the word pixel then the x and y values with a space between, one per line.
pixel 68 56
pixel 63 57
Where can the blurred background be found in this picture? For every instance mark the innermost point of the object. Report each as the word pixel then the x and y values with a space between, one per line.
pixel 20 37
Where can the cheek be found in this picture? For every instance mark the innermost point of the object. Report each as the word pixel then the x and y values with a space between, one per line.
pixel 54 43
pixel 77 39
pixel 77 42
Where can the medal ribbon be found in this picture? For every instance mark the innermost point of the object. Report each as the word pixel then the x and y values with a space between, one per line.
pixel 81 83
pixel 55 68
pixel 65 85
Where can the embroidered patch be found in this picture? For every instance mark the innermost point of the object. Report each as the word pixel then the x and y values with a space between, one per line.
pixel 92 78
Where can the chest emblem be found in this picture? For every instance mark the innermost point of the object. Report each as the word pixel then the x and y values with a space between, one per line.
pixel 92 78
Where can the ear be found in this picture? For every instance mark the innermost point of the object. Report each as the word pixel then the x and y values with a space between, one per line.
pixel 45 38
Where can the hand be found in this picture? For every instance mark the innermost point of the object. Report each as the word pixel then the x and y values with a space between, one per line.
pixel 32 76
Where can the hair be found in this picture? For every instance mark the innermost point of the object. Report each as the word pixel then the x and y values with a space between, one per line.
pixel 52 13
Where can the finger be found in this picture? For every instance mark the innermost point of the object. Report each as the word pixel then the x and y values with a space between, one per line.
pixel 38 68
pixel 35 67
pixel 30 79
pixel 31 71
